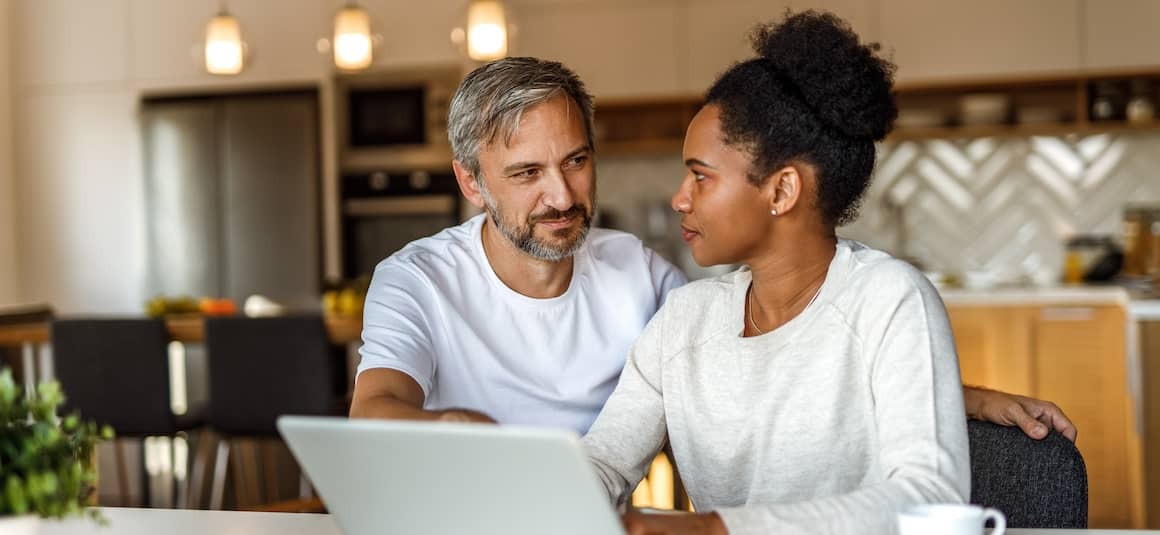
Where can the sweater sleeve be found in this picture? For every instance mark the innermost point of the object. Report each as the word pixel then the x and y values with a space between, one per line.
pixel 919 417
pixel 630 429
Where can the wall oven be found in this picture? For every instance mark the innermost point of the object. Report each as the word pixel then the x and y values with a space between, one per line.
pixel 382 211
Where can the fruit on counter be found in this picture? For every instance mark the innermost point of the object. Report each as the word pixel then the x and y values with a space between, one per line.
pixel 217 307
pixel 161 306
pixel 345 297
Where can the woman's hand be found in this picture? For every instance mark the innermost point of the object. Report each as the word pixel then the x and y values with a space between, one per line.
pixel 1035 417
pixel 673 524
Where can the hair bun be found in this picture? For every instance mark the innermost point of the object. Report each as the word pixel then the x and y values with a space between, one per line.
pixel 844 82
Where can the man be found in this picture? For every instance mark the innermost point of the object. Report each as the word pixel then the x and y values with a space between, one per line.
pixel 524 314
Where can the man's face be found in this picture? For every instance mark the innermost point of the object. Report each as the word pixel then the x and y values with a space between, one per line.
pixel 540 187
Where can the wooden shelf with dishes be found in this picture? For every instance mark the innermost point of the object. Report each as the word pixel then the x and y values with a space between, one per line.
pixel 1042 105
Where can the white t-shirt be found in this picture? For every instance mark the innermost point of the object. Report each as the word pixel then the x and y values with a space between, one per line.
pixel 437 311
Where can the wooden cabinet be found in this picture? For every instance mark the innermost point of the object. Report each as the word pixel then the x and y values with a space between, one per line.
pixel 622 49
pixel 67 42
pixel 1121 34
pixel 1076 357
pixel 717 33
pixel 939 40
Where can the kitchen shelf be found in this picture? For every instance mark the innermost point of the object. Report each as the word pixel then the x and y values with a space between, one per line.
pixel 643 125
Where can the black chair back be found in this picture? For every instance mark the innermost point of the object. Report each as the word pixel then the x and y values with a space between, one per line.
pixel 1036 483
pixel 116 372
pixel 261 368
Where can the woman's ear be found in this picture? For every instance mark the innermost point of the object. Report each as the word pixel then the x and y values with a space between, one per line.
pixel 784 189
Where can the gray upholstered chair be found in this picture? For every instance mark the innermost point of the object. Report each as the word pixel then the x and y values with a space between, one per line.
pixel 1036 483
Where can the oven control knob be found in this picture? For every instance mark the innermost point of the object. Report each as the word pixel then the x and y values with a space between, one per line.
pixel 380 180
pixel 420 180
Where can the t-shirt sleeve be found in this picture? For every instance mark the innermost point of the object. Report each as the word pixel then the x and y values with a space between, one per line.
pixel 396 331
pixel 665 276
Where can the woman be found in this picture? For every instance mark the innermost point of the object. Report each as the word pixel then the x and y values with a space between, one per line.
pixel 816 390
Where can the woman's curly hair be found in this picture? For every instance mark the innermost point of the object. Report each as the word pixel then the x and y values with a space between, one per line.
pixel 814 94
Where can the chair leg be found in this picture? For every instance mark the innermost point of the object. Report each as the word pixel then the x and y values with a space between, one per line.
pixel 122 473
pixel 217 493
pixel 202 444
pixel 248 473
pixel 305 488
pixel 270 466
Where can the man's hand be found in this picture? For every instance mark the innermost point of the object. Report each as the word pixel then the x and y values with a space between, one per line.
pixel 673 524
pixel 1033 416
pixel 465 415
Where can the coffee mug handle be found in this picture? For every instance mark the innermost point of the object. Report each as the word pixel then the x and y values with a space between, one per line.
pixel 1000 520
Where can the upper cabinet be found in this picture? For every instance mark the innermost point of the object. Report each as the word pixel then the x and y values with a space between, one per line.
pixel 715 34
pixel 68 42
pixel 1121 34
pixel 413 33
pixel 619 49
pixel 281 42
pixel 982 38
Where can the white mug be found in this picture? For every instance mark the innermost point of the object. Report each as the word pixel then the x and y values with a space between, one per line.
pixel 949 519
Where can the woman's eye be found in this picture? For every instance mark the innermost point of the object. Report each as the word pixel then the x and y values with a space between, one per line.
pixel 698 176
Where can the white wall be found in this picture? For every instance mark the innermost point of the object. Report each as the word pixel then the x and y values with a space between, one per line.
pixel 82 69
pixel 9 280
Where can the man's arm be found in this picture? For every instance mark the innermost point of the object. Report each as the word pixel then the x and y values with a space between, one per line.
pixel 394 395
pixel 1033 416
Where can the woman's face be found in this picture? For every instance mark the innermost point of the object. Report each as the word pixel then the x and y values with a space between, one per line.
pixel 725 218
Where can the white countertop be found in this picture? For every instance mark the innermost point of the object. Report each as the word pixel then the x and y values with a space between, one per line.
pixel 187 522
pixel 1032 295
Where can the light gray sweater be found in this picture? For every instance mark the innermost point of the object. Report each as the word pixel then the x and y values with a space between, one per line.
pixel 829 424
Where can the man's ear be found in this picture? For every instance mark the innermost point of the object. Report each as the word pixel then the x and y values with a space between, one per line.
pixel 467 184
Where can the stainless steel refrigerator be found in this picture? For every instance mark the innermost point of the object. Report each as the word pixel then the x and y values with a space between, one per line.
pixel 232 196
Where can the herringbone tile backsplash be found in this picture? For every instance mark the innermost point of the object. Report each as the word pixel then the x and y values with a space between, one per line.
pixel 1003 205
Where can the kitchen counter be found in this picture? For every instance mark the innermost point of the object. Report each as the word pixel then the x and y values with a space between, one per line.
pixel 340 329
pixel 1030 295
pixel 1141 306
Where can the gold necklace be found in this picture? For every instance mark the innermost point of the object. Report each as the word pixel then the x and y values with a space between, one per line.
pixel 751 322
pixel 749 298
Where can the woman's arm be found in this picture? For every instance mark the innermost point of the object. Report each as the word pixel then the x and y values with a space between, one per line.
pixel 630 430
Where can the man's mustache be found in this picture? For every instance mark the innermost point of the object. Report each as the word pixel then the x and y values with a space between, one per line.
pixel 552 214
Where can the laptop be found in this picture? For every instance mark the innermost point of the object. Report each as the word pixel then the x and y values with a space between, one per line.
pixel 412 478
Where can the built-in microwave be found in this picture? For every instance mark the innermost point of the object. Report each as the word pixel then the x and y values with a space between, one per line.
pixel 395 119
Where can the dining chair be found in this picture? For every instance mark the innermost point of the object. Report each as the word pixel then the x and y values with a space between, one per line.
pixel 117 372
pixel 1036 483
pixel 260 369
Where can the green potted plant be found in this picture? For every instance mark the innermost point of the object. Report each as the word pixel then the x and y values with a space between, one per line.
pixel 46 462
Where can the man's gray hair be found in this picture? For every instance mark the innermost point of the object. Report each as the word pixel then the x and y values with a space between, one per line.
pixel 491 100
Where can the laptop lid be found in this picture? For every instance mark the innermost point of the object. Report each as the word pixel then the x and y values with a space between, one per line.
pixel 395 477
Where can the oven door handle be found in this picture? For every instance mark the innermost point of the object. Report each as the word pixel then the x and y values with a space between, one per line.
pixel 399 206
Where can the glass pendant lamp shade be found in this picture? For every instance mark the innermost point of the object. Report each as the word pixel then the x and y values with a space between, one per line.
pixel 353 46
pixel 487 38
pixel 223 45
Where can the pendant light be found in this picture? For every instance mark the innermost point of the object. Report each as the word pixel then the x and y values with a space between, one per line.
pixel 487 30
pixel 224 49
pixel 353 43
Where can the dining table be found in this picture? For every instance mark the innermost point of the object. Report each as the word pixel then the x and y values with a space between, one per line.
pixel 137 521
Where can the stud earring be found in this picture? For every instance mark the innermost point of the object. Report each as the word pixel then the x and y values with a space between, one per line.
pixel 773 212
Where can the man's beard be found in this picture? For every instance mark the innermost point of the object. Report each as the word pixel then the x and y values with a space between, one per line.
pixel 524 236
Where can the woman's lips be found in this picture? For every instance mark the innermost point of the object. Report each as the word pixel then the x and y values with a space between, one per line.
pixel 688 234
